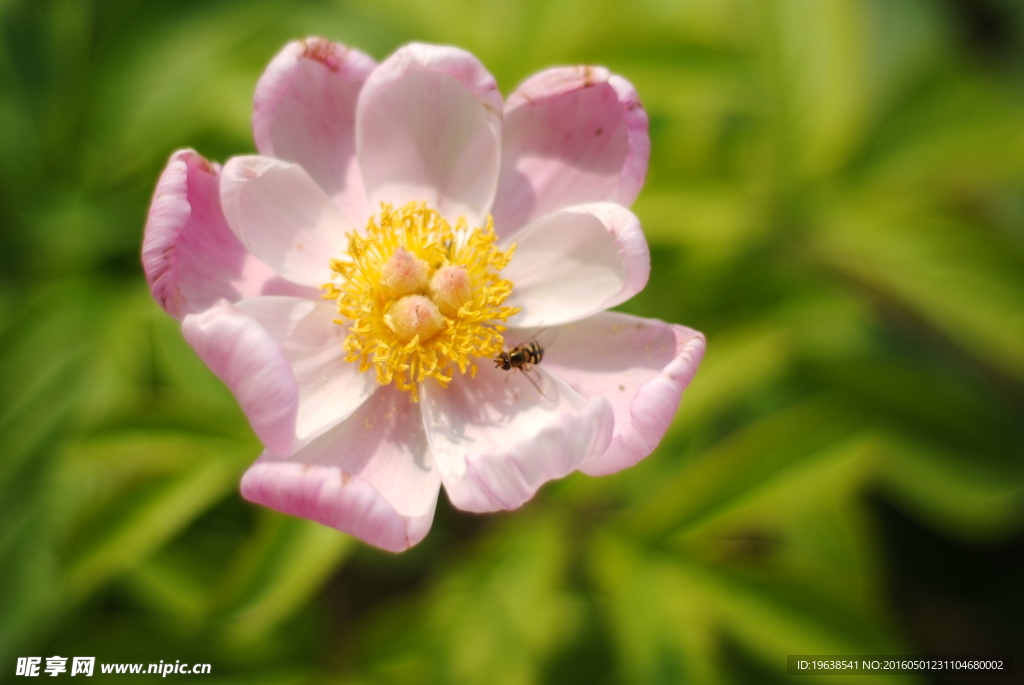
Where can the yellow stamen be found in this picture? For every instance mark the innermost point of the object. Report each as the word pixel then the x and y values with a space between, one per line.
pixel 380 288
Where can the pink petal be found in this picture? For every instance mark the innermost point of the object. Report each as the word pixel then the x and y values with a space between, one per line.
pixel 428 128
pixel 245 356
pixel 304 111
pixel 330 388
pixel 283 217
pixel 574 263
pixel 571 135
pixel 640 365
pixel 371 476
pixel 190 256
pixel 496 438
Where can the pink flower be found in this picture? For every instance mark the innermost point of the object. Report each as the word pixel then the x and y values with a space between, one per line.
pixel 349 286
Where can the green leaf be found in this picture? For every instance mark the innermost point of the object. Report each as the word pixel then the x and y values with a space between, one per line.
pixel 968 285
pixel 41 358
pixel 164 588
pixel 667 608
pixel 740 363
pixel 503 613
pixel 740 465
pixel 818 55
pixel 148 522
pixel 955 492
pixel 288 562
pixel 495 616
pixel 717 221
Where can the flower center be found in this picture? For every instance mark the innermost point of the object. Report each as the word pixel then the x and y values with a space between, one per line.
pixel 423 298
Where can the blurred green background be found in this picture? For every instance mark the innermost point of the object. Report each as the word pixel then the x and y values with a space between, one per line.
pixel 835 197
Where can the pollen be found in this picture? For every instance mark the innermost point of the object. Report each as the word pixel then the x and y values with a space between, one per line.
pixel 422 298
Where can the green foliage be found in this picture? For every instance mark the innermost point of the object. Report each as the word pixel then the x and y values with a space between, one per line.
pixel 835 197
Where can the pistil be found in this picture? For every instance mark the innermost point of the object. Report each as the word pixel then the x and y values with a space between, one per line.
pixel 421 298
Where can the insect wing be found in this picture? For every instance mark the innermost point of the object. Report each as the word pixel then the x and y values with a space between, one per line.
pixel 545 337
pixel 539 382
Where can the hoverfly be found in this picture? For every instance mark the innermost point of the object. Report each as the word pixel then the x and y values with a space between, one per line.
pixel 523 358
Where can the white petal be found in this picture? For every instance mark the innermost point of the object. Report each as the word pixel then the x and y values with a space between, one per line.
pixel 640 365
pixel 190 256
pixel 574 263
pixel 330 388
pixel 283 217
pixel 496 438
pixel 251 363
pixel 428 128
pixel 371 476
pixel 571 135
pixel 304 111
